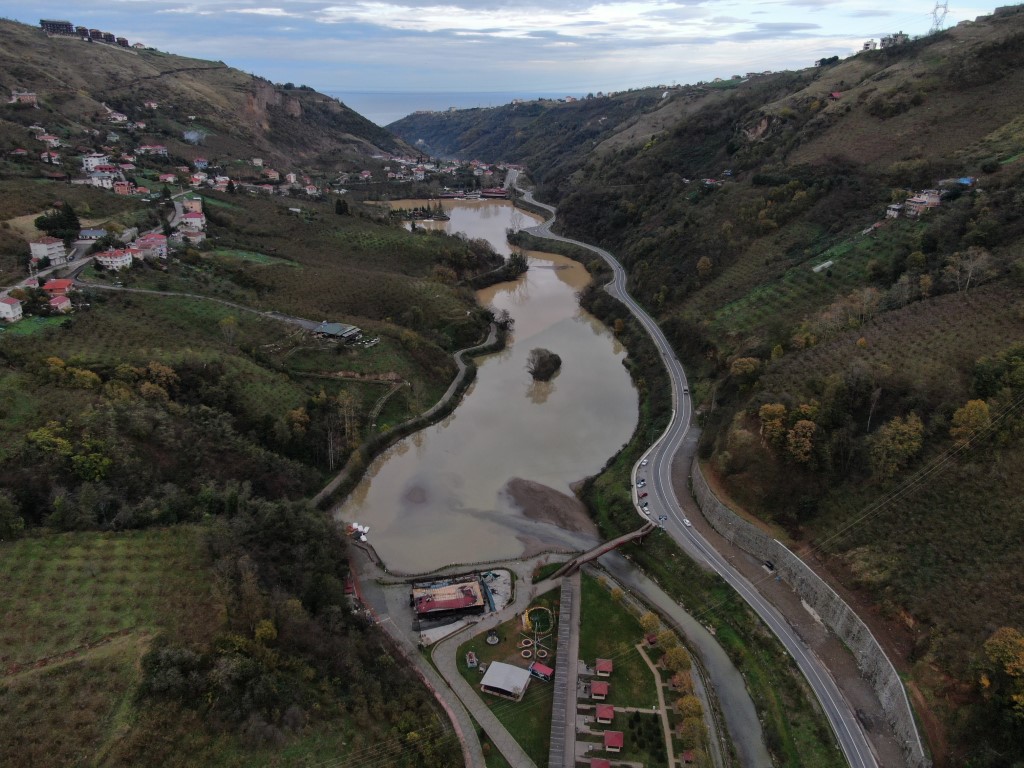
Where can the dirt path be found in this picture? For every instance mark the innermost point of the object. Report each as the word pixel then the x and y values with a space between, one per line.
pixel 105 646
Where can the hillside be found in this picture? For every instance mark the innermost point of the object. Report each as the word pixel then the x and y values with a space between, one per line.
pixel 857 374
pixel 238 115
pixel 171 596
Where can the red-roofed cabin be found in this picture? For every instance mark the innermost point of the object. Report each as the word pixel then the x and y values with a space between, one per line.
pixel 613 741
pixel 652 639
pixel 599 762
pixel 689 757
pixel 60 304
pixel 604 667
pixel 605 713
pixel 58 287
pixel 599 690
pixel 541 671
pixel 835 96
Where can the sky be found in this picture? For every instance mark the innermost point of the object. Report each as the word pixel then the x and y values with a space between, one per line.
pixel 575 46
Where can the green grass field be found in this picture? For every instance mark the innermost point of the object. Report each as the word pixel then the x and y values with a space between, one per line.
pixel 529 720
pixel 609 630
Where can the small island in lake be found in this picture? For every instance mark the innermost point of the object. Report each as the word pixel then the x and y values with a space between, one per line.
pixel 543 364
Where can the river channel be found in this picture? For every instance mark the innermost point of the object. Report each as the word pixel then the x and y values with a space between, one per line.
pixel 441 496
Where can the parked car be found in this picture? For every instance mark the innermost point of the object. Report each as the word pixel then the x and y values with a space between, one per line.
pixel 643 463
pixel 643 495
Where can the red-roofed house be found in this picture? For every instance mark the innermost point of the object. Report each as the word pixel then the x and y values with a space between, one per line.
pixel 599 762
pixel 53 158
pixel 60 304
pixel 599 690
pixel 123 187
pixel 271 174
pixel 605 713
pixel 613 741
pixel 10 309
pixel 115 258
pixel 58 287
pixel 194 220
pixel 689 757
pixel 168 178
pixel 604 667
pixel 152 246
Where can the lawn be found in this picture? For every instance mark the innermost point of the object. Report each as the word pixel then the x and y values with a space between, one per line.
pixel 251 257
pixel 529 720
pixel 609 631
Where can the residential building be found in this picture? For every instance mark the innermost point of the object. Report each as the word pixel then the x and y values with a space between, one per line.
pixel 90 161
pixel 123 188
pixel 152 149
pixel 271 174
pixel 168 178
pixel 194 220
pixel 10 309
pixel 893 211
pixel 123 42
pixel 58 287
pixel 51 157
pixel 922 202
pixel 92 234
pixel 115 258
pixel 152 246
pixel 599 762
pixel 48 248
pixel 108 37
pixel 81 31
pixel 151 105
pixel 291 178
pixel 599 690
pixel 870 45
pixel 117 117
pixel 200 163
pixel 57 27
pixel 604 713
pixel 60 304
pixel 604 667
pixel 23 97
pixel 258 162
pixel 613 741
pixel 890 41
pixel 49 140
pixel 102 180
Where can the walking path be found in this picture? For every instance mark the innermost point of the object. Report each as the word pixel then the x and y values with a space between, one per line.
pixel 666 727
pixel 562 753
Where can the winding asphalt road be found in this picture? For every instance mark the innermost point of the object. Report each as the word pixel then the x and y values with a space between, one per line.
pixel 658 472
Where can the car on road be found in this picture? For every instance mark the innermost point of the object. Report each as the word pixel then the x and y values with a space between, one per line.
pixel 641 483
pixel 686 390
pixel 643 463
pixel 647 511
pixel 687 523
pixel 643 495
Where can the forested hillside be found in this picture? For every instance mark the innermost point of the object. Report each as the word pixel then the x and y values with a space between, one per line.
pixel 858 375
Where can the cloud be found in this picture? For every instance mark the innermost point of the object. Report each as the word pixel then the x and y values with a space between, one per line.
pixel 276 12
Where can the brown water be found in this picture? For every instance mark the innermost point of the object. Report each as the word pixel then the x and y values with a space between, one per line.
pixel 436 498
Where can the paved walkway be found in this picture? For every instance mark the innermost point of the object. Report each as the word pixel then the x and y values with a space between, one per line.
pixel 562 753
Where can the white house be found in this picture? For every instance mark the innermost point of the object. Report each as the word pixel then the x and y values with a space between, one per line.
pixel 10 309
pixel 115 258
pixel 102 180
pixel 48 248
pixel 194 220
pixel 90 161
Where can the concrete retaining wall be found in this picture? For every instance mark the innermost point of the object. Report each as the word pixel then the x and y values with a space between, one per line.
pixel 874 665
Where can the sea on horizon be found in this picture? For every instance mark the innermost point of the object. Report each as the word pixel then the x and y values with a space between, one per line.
pixel 385 107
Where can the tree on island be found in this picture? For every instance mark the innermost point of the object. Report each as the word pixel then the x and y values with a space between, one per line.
pixel 543 364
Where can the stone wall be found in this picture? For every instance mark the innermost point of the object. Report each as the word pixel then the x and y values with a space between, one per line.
pixel 833 610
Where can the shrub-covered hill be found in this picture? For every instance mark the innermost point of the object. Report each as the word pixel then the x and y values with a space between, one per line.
pixel 238 115
pixel 859 376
